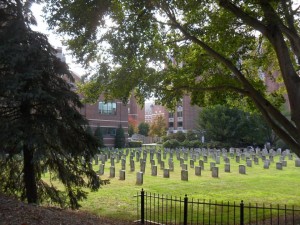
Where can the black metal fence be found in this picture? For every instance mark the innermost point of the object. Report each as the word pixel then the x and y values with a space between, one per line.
pixel 160 209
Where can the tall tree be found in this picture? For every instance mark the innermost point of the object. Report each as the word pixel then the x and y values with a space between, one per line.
pixel 40 127
pixel 214 50
pixel 99 136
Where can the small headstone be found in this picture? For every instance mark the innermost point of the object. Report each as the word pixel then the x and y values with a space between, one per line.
pixel 201 164
pixel 205 158
pixel 112 172
pixel 249 162
pixel 279 165
pixel 143 166
pixel 227 168
pixel 132 165
pixel 166 173
pixel 184 166
pixel 171 166
pixel 101 169
pixel 242 169
pixel 266 164
pixel 192 163
pixel 237 159
pixel 218 160
pixel 153 170
pixel 184 175
pixel 215 171
pixel 256 160
pixel 297 162
pixel 139 178
pixel 212 164
pixel 123 164
pixel 112 161
pixel 122 174
pixel 198 170
pixel 284 163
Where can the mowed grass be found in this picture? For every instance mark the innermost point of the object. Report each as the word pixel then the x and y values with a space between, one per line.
pixel 258 185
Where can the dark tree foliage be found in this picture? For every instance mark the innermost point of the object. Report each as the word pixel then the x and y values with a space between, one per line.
pixel 120 138
pixel 99 136
pixel 40 127
pixel 231 127
pixel 144 129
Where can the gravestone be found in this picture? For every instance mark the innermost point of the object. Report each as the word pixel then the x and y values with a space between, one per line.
pixel 152 162
pixel 153 170
pixel 279 165
pixel 112 172
pixel 123 164
pixel 139 178
pixel 191 163
pixel 266 164
pixel 249 162
pixel 256 160
pixel 171 166
pixel 143 166
pixel 101 169
pixel 184 166
pixel 205 158
pixel 284 163
pixel 218 160
pixel 112 161
pixel 184 175
pixel 96 160
pixel 215 171
pixel 290 156
pixel 212 164
pixel 132 165
pixel 122 174
pixel 166 173
pixel 198 170
pixel 297 162
pixel 242 169
pixel 226 160
pixel 201 164
pixel 237 159
pixel 227 168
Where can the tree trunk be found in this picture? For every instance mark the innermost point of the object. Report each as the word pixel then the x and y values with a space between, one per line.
pixel 29 176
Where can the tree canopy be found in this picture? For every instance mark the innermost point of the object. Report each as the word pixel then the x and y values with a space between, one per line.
pixel 144 129
pixel 41 128
pixel 217 51
pixel 231 127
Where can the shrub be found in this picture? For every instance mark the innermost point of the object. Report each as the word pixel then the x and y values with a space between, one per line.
pixel 135 144
pixel 173 143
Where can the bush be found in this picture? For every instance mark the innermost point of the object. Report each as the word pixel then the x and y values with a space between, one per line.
pixel 173 143
pixel 135 144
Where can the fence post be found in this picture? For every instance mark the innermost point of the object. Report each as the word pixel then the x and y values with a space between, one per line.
pixel 242 213
pixel 142 206
pixel 185 210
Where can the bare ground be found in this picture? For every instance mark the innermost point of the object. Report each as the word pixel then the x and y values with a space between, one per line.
pixel 14 212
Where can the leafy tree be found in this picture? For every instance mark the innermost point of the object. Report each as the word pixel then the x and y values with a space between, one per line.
pixel 144 129
pixel 40 126
pixel 179 136
pixel 120 138
pixel 214 50
pixel 158 127
pixel 232 127
pixel 99 136
pixel 191 135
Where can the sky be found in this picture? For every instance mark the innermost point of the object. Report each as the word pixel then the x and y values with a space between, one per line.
pixel 54 40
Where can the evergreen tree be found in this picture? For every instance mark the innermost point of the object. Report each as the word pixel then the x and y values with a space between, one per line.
pixel 40 126
pixel 120 138
pixel 99 136
pixel 144 129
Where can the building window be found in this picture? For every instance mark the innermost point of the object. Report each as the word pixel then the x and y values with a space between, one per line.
pixel 171 115
pixel 108 131
pixel 179 124
pixel 171 124
pixel 179 114
pixel 107 108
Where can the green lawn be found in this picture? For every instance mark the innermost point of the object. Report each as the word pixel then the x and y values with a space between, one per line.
pixel 258 185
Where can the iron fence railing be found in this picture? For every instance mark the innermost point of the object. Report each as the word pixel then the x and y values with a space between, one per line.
pixel 159 209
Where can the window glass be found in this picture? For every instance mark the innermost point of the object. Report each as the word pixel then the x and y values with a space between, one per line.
pixel 107 108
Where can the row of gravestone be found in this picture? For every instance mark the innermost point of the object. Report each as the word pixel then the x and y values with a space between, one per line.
pixel 266 161
pixel 184 173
